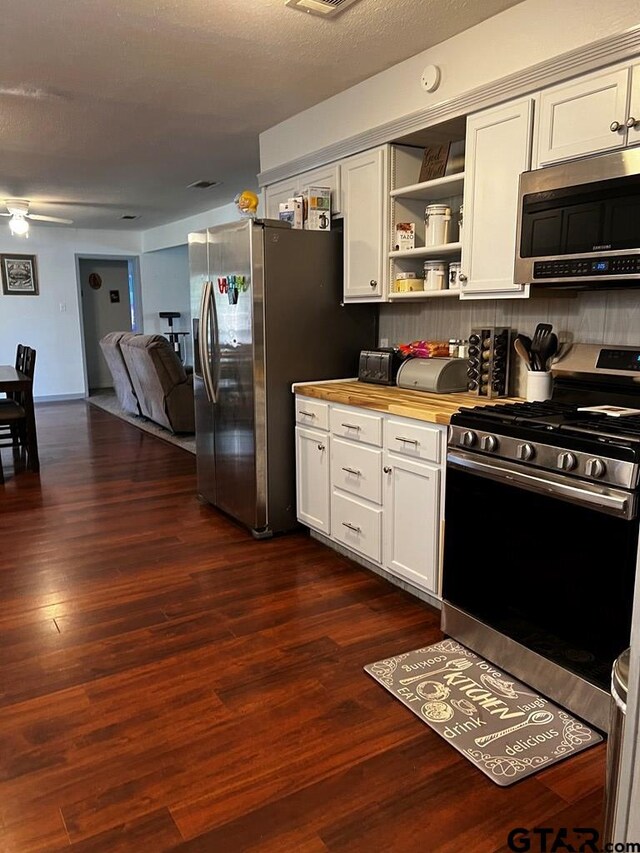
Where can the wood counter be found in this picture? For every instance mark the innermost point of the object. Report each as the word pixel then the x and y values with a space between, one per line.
pixel 434 408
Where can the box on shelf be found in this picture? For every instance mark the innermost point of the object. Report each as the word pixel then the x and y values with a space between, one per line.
pixel 292 211
pixel 407 285
pixel 317 208
pixel 405 236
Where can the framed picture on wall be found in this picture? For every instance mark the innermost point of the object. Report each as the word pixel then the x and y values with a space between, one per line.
pixel 19 275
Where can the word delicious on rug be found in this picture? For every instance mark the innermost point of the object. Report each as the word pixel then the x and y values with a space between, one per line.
pixel 507 731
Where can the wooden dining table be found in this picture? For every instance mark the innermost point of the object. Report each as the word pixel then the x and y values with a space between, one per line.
pixel 14 381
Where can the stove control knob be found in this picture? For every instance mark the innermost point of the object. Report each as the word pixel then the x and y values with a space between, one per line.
pixel 489 442
pixel 526 452
pixel 567 461
pixel 468 438
pixel 595 468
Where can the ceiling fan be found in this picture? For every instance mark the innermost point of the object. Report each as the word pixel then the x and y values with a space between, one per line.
pixel 18 210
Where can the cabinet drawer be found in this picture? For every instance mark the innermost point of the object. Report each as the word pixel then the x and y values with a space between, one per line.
pixel 356 525
pixel 356 426
pixel 357 469
pixel 414 440
pixel 312 413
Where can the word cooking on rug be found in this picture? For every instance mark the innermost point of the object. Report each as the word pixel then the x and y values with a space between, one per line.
pixel 503 728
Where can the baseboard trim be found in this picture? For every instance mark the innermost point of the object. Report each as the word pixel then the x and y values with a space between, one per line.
pixel 378 570
pixel 59 398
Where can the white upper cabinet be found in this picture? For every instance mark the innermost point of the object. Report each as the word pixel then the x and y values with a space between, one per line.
pixel 586 116
pixel 633 137
pixel 365 194
pixel 326 176
pixel 278 194
pixel 498 149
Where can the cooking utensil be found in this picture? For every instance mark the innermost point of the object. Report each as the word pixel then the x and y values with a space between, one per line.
pixel 536 718
pixel 459 664
pixel 522 352
pixel 543 330
pixel 548 349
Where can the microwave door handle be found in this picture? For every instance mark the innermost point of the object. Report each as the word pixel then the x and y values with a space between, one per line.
pixel 599 498
pixel 203 340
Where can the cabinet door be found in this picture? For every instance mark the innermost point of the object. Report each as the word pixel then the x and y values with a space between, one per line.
pixel 498 149
pixel 326 176
pixel 312 478
pixel 365 179
pixel 575 118
pixel 412 521
pixel 634 107
pixel 278 194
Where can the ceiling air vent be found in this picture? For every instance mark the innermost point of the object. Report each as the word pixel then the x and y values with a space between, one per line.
pixel 203 185
pixel 326 8
pixel 129 216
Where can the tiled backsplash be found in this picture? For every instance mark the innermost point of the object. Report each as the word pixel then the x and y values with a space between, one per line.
pixel 611 316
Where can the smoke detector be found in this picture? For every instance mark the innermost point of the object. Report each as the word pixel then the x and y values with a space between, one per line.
pixel 325 8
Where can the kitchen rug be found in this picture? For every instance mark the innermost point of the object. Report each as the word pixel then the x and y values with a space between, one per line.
pixel 499 724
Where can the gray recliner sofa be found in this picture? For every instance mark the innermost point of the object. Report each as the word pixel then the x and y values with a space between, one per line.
pixel 163 389
pixel 123 386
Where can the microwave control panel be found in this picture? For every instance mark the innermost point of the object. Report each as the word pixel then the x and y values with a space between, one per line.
pixel 614 265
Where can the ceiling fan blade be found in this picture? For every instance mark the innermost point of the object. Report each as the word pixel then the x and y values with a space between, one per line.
pixel 42 218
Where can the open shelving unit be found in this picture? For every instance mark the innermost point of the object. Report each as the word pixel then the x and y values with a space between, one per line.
pixel 408 200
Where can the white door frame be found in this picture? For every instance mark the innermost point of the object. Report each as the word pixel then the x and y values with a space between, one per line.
pixel 135 298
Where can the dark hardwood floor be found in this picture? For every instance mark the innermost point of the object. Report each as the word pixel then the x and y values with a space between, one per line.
pixel 166 682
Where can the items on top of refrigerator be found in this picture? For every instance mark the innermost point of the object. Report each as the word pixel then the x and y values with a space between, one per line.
pixel 292 211
pixel 317 208
pixel 425 349
pixel 247 203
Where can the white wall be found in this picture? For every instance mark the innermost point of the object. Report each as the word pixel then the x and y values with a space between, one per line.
pixel 50 322
pixel 175 233
pixel 165 287
pixel 524 35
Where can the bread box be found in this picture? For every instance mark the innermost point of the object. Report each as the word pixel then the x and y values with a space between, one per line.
pixel 436 375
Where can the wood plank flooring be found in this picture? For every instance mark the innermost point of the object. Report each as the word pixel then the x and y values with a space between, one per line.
pixel 166 682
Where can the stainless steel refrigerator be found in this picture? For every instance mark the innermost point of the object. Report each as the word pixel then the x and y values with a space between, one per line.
pixel 266 310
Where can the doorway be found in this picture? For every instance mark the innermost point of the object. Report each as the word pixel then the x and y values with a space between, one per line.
pixel 108 302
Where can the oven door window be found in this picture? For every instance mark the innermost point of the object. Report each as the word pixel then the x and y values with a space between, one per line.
pixel 556 577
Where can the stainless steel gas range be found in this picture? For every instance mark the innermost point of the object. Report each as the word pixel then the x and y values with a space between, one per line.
pixel 541 529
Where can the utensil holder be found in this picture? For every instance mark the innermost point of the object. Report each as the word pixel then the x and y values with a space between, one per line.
pixel 488 365
pixel 539 385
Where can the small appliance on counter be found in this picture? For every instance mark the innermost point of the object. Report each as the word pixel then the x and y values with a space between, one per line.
pixel 379 366
pixel 436 375
pixel 488 365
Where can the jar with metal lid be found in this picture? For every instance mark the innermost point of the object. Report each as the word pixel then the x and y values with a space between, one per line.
pixel 435 275
pixel 460 222
pixel 454 275
pixel 437 220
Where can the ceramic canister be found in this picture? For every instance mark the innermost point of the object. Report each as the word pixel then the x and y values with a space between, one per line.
pixel 437 221
pixel 435 275
pixel 454 275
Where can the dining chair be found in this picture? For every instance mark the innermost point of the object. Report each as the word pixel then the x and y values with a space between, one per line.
pixel 13 415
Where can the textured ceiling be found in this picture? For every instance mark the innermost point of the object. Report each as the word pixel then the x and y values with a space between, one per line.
pixel 119 104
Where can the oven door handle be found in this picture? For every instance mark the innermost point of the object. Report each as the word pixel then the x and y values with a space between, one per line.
pixel 600 498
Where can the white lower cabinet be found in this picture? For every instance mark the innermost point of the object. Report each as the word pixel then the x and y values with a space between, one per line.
pixel 313 485
pixel 412 520
pixel 373 483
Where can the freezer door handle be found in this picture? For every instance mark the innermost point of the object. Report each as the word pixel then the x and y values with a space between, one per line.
pixel 203 340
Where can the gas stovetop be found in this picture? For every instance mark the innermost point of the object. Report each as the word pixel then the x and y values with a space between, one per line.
pixel 554 436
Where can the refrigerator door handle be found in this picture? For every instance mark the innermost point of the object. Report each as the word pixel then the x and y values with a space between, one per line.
pixel 203 348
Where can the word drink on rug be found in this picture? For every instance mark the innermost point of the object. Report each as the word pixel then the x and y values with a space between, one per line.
pixel 496 722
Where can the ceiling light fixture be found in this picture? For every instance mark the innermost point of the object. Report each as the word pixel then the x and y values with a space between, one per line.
pixel 19 226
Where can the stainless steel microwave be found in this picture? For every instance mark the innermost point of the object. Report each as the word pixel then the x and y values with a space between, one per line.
pixel 579 222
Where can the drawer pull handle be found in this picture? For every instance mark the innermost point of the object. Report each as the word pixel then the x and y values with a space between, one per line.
pixel 353 471
pixel 307 414
pixel 351 527
pixel 387 469
pixel 321 447
pixel 408 440
pixel 352 426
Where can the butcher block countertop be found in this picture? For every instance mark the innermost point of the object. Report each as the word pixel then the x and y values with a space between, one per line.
pixel 433 408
